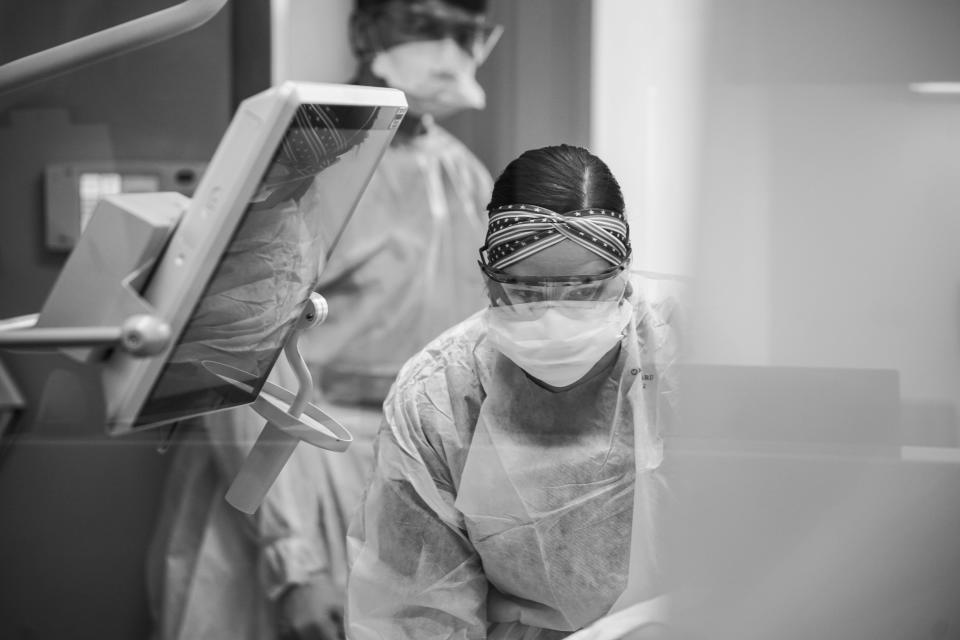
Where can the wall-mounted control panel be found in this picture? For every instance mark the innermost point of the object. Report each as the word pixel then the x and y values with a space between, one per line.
pixel 72 190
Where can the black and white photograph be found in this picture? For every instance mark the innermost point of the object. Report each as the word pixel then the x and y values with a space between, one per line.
pixel 480 319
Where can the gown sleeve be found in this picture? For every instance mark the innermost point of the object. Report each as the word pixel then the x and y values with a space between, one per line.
pixel 414 573
pixel 286 528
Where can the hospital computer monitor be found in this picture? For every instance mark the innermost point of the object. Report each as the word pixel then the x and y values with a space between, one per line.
pixel 248 251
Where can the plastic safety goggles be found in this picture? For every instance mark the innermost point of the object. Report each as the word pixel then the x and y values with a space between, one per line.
pixel 399 22
pixel 507 290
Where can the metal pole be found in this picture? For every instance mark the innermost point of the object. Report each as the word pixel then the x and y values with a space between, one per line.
pixel 55 337
pixel 122 38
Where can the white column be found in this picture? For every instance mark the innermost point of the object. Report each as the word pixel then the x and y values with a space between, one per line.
pixel 310 41
pixel 645 120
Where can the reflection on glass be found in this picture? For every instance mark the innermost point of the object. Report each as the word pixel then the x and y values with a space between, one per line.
pixel 272 263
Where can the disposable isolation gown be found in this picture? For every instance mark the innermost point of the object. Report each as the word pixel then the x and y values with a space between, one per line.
pixel 500 509
pixel 403 271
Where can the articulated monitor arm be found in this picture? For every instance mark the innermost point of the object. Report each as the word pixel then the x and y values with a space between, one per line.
pixel 51 363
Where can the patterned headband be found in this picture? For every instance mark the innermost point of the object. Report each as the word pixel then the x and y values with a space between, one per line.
pixel 516 231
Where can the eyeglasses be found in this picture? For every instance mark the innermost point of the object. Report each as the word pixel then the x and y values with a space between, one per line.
pixel 505 290
pixel 402 22
pixel 508 278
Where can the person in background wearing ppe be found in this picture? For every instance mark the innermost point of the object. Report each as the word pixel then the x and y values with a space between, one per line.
pixel 401 273
pixel 516 490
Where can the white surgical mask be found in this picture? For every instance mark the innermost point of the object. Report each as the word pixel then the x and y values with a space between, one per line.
pixel 437 76
pixel 557 342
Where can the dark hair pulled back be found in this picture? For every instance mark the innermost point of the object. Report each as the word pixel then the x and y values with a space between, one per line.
pixel 560 178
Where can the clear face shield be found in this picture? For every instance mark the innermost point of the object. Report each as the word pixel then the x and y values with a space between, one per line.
pixel 399 22
pixel 557 328
pixel 525 294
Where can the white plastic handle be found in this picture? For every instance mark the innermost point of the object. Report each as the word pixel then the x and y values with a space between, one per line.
pixel 277 442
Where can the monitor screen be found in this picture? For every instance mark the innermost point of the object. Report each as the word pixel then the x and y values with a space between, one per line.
pixel 287 232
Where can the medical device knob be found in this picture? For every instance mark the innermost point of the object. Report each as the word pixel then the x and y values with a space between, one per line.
pixel 314 312
pixel 144 335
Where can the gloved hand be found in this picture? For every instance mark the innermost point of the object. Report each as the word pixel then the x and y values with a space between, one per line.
pixel 311 611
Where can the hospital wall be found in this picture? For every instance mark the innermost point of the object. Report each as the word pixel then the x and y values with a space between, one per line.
pixel 778 158
pixel 77 508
